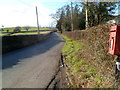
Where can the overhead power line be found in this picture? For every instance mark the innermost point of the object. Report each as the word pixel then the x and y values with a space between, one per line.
pixel 25 3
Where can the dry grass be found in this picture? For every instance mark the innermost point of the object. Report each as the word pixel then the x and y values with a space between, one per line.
pixel 98 69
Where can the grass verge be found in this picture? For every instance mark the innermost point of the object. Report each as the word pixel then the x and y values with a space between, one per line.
pixel 77 67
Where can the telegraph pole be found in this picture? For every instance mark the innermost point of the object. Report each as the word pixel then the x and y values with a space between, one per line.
pixel 86 10
pixel 71 17
pixel 37 20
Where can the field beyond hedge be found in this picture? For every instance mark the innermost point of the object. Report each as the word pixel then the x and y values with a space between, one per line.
pixel 23 31
pixel 89 65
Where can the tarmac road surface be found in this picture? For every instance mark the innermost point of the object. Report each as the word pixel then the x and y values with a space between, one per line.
pixel 33 66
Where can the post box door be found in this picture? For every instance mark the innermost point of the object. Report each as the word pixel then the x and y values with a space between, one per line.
pixel 114 42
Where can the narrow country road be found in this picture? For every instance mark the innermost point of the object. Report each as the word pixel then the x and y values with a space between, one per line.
pixel 33 66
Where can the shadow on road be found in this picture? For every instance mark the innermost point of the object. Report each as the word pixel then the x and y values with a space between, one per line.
pixel 12 58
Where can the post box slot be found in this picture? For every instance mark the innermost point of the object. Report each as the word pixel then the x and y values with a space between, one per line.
pixel 113 30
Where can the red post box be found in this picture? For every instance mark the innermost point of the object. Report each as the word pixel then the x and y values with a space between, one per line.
pixel 114 42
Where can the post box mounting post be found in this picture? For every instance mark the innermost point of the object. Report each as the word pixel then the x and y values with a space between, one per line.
pixel 117 70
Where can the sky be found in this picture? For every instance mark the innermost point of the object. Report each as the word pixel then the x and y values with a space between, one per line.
pixel 23 12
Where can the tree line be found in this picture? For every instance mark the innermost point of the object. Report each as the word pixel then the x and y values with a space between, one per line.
pixel 74 15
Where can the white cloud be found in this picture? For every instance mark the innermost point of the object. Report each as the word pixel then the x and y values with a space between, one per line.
pixel 24 15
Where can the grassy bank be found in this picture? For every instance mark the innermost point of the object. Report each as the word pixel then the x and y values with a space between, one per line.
pixel 86 55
